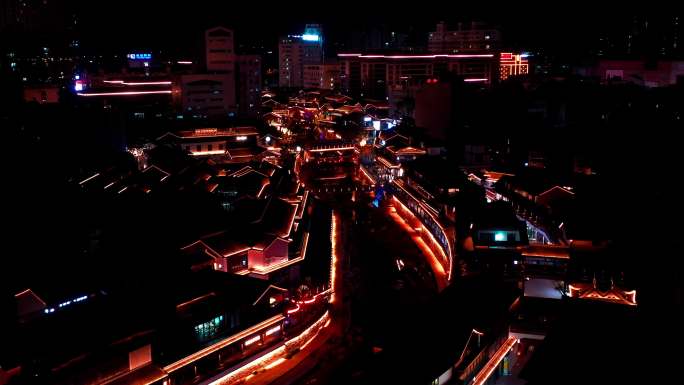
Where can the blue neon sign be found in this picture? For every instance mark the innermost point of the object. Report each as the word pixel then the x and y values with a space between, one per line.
pixel 140 56
pixel 310 37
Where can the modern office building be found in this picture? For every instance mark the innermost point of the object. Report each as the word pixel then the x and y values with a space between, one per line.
pixel 468 37
pixel 208 95
pixel 248 84
pixel 323 76
pixel 373 75
pixel 295 52
pixel 220 50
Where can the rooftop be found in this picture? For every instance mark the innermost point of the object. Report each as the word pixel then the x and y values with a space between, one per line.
pixel 212 132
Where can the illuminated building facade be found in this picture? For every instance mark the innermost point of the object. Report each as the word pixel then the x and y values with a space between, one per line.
pixel 323 76
pixel 591 291
pixel 373 75
pixel 295 52
pixel 290 62
pixel 471 37
pixel 213 141
pixel 312 44
pixel 511 64
pixel 270 242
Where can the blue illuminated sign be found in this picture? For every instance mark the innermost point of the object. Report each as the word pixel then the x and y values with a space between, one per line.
pixel 140 56
pixel 310 37
pixel 500 236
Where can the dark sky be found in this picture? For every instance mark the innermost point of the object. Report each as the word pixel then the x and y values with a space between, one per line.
pixel 177 25
pixel 151 25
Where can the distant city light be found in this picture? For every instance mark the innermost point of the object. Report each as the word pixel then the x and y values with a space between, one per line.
pixel 241 138
pixel 159 83
pixel 309 37
pixel 183 62
pixel 268 139
pixel 126 93
pixel 367 119
pixel 455 56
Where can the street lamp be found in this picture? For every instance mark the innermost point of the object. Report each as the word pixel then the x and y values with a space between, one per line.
pixel 465 348
pixel 479 334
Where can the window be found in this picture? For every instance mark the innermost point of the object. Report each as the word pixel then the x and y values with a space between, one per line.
pixel 209 329
pixel 199 147
pixel 210 147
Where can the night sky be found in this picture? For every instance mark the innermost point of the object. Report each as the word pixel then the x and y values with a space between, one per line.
pixel 118 26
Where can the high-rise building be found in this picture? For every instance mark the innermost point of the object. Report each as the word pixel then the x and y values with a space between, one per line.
pixel 220 50
pixel 471 37
pixel 374 75
pixel 298 51
pixel 208 95
pixel 312 44
pixel 249 84
pixel 643 36
pixel 324 76
pixel 290 62
pixel 212 94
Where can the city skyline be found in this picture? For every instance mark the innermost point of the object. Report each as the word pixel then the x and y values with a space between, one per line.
pixel 219 194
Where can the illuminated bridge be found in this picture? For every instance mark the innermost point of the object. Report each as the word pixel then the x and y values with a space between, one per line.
pixel 340 189
pixel 424 219
pixel 332 146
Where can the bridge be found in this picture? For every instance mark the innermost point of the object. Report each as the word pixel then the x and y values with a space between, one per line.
pixel 340 189
pixel 328 147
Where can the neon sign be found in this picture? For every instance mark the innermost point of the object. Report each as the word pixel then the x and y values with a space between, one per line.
pixel 310 37
pixel 139 56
